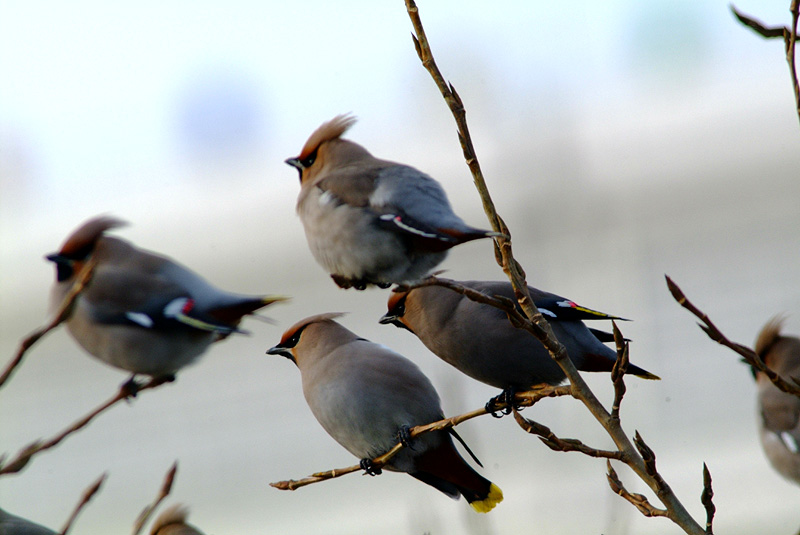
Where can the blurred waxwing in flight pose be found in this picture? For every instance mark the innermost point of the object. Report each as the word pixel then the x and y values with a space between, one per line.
pixel 367 397
pixel 142 312
pixel 15 525
pixel 371 221
pixel 173 522
pixel 780 411
pixel 479 340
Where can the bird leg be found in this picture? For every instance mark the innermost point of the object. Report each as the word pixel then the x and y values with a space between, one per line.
pixel 131 387
pixel 404 436
pixel 502 404
pixel 369 468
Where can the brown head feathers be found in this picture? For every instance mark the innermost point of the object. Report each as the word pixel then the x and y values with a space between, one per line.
pixel 81 242
pixel 327 131
pixel 770 334
pixel 295 329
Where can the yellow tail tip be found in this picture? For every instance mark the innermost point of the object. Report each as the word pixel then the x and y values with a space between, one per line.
pixel 649 376
pixel 488 503
pixel 269 299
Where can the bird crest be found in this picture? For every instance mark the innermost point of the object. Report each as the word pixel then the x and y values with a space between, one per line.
pixel 81 242
pixel 769 336
pixel 297 328
pixel 327 131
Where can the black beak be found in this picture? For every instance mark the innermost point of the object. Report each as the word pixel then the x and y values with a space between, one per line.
pixel 389 319
pixel 282 351
pixel 57 258
pixel 295 162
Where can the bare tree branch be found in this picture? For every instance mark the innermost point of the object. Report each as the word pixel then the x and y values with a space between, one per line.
pixel 750 356
pixel 706 498
pixel 789 36
pixel 562 444
pixel 521 399
pixel 537 324
pixel 25 454
pixel 618 371
pixel 63 312
pixel 88 494
pixel 638 500
pixel 166 488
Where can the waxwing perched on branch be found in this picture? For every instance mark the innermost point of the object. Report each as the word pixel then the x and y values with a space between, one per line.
pixel 142 312
pixel 371 221
pixel 780 411
pixel 479 340
pixel 367 397
pixel 173 522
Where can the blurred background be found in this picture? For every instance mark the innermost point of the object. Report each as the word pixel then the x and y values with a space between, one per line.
pixel 621 141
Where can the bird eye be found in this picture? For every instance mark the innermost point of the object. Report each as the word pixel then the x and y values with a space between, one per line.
pixel 309 160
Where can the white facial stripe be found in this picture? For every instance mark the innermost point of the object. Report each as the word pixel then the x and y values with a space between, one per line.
pixel 140 318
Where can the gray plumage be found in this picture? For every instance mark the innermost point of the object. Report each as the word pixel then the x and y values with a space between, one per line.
pixel 479 340
pixel 363 394
pixel 142 312
pixel 371 221
pixel 779 411
pixel 15 525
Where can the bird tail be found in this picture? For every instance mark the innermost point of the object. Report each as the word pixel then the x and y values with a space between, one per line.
pixel 633 369
pixel 488 503
pixel 232 313
pixel 444 469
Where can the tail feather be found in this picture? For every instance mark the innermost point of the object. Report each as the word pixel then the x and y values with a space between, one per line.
pixel 444 469
pixel 592 362
pixel 232 314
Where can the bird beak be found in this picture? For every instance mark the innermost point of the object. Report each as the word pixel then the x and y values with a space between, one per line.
pixel 282 351
pixel 389 319
pixel 57 258
pixel 295 162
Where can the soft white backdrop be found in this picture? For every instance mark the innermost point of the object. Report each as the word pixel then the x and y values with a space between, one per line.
pixel 621 140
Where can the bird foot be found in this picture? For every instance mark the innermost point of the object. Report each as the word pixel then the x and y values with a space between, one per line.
pixel 502 404
pixel 369 468
pixel 358 284
pixel 404 436
pixel 130 388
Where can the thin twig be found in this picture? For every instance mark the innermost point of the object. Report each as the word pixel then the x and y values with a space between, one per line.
pixel 166 488
pixel 61 315
pixel 521 399
pixel 789 36
pixel 538 325
pixel 638 500
pixel 706 498
pixel 750 356
pixel 618 371
pixel 563 444
pixel 88 494
pixel 25 454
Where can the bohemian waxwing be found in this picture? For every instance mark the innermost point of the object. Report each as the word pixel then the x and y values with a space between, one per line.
pixel 780 411
pixel 142 312
pixel 367 397
pixel 479 340
pixel 173 522
pixel 371 221
pixel 15 525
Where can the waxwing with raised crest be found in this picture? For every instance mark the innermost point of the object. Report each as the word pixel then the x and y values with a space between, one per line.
pixel 779 411
pixel 480 341
pixel 367 396
pixel 174 521
pixel 140 311
pixel 371 221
